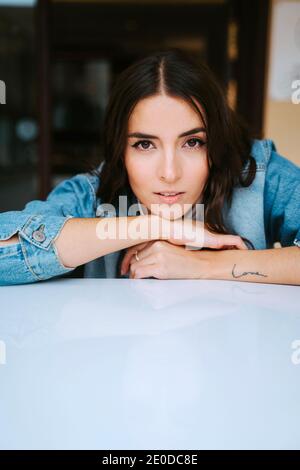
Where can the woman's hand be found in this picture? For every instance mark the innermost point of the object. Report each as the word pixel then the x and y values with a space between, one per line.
pixel 196 235
pixel 169 258
pixel 162 260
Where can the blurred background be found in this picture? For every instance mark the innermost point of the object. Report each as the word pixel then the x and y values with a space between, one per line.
pixel 59 60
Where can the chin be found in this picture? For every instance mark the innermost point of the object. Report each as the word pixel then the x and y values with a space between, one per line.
pixel 169 212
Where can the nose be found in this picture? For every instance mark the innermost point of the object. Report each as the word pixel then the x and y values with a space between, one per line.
pixel 169 168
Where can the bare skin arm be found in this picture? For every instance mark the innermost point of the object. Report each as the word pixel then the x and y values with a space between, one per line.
pixel 79 242
pixel 10 241
pixel 272 266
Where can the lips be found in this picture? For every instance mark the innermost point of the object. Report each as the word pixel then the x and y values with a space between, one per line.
pixel 169 197
pixel 169 193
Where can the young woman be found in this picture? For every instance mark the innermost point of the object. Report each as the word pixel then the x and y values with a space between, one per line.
pixel 171 142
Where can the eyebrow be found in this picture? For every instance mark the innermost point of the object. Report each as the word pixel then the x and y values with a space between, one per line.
pixel 141 135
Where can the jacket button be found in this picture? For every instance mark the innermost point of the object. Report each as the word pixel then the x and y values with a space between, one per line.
pixel 38 235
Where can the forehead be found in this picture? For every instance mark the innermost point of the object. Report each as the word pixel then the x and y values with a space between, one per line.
pixel 163 112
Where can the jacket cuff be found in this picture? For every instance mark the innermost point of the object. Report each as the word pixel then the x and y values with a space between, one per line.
pixel 37 241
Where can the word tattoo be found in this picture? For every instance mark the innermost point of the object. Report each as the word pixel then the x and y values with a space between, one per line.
pixel 245 273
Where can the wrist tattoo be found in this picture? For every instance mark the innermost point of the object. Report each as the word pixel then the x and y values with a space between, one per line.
pixel 246 272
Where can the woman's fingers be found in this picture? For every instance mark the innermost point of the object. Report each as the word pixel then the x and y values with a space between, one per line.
pixel 128 255
pixel 141 265
pixel 196 234
pixel 146 271
pixel 227 242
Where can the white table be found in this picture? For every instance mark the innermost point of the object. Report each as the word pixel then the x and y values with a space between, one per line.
pixel 149 364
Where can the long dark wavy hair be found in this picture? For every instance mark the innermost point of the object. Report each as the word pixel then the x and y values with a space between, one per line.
pixel 175 73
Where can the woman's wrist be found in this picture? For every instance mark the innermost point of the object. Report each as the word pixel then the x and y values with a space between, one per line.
pixel 221 263
pixel 258 265
pixel 207 264
pixel 156 227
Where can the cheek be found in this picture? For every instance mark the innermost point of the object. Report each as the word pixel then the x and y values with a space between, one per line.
pixel 198 176
pixel 138 174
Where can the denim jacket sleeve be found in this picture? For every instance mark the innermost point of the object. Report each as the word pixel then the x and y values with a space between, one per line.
pixel 282 202
pixel 35 257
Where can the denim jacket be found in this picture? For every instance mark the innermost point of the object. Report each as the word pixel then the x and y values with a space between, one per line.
pixel 265 212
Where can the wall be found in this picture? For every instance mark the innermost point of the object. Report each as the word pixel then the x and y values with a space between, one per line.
pixel 282 116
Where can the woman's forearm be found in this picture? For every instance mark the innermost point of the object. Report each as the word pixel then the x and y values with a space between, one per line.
pixel 11 241
pixel 275 266
pixel 84 239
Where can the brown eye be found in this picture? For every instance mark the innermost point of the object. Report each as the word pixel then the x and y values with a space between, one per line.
pixel 196 143
pixel 144 144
